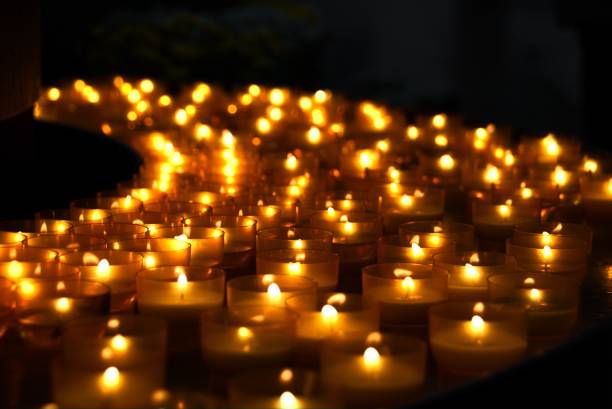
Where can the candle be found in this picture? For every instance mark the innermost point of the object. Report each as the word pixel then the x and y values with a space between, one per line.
pixel 476 338
pixel 173 209
pixel 115 268
pixel 239 236
pixel 10 239
pixel 42 306
pixel 158 252
pixel 551 302
pixel 412 250
pixel 570 259
pixel 267 289
pixel 404 292
pixel 285 388
pixel 247 337
pixel 17 263
pixel 497 221
pixel 6 307
pixel 327 315
pixel 374 370
pixel 298 238
pixel 180 293
pixel 87 208
pixel 411 205
pixel 112 231
pixel 31 228
pixel 320 266
pixel 206 242
pixel 462 234
pixel 553 234
pixel 115 361
pixel 469 271
pixel 66 243
pixel 267 216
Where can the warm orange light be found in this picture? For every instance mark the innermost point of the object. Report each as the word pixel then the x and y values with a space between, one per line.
pixel 446 162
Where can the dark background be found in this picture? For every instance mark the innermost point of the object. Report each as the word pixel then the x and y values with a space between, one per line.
pixel 536 65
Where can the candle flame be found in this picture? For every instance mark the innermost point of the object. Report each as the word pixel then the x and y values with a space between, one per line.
pixel 438 229
pixel 504 211
pixel 412 132
pixel 331 212
pixel 492 174
pixel 547 253
pixel 62 305
pixel 546 239
pixel 439 121
pixel 560 176
pixel 406 200
pixel 477 325
pixel 441 140
pixel 111 379
pixel 288 400
pixel 550 145
pixel 43 227
pixel 313 135
pixel 535 295
pixel 286 375
pixel 103 270
pixel 371 358
pixel 182 281
pixel 590 165
pixel 295 267
pixel 149 261
pixel 245 333
pixel 478 308
pixel 529 281
pixel 408 284
pixel 15 269
pixel 113 323
pixel 471 273
pixel 329 313
pixel 298 244
pixel 291 162
pixel 446 162
pixel 119 343
pixel 274 291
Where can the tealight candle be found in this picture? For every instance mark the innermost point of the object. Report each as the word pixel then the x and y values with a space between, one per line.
pixel 115 268
pixel 252 336
pixel 496 221
pixel 115 361
pixel 66 243
pixel 173 209
pixel 85 209
pixel 374 370
pixel 112 231
pixel 408 207
pixel 597 197
pixel 267 216
pixel 28 262
pixel 267 289
pixel 298 238
pixel 150 220
pixel 320 266
pixel 474 339
pixel 570 259
pixel 404 292
pixel 180 293
pixel 206 242
pixel 469 271
pixel 239 236
pixel 31 228
pixel 158 252
pixel 553 234
pixel 43 306
pixel 74 217
pixel 10 239
pixel 462 234
pixel 277 388
pixel 551 302
pixel 327 315
pixel 415 249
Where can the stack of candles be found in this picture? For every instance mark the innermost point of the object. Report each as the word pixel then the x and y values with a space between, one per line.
pixel 336 243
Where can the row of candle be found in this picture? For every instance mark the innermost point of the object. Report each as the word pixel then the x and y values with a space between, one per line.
pixel 314 194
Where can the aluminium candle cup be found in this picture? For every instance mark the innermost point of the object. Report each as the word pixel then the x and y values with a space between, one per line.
pixel 67 242
pixel 43 306
pixel 158 252
pixel 239 237
pixel 404 292
pixel 206 242
pixel 273 388
pixel 31 228
pixel 551 302
pixel 571 259
pixel 113 362
pixel 496 221
pixel 118 272
pixel 6 304
pixel 267 289
pixel 249 337
pixel 267 216
pixel 329 315
pixel 375 370
pixel 114 204
pixel 472 339
pixel 468 272
pixel 462 234
pixel 30 262
pixel 320 266
pixel 299 238
pixel 394 249
pixel 553 234
pixel 112 231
